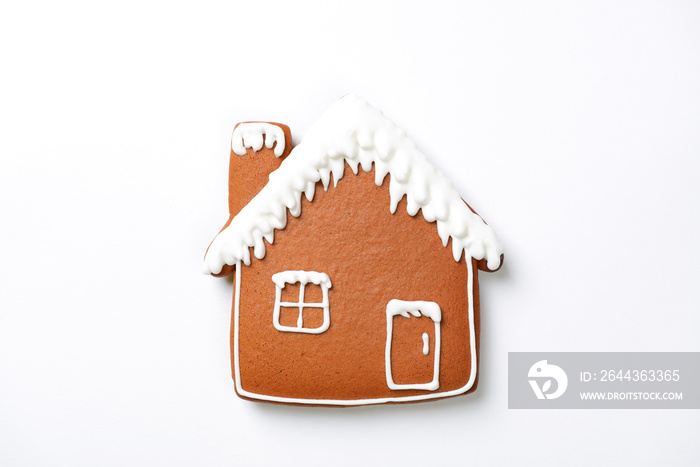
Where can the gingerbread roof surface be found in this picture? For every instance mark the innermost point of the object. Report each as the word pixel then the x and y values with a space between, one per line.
pixel 353 132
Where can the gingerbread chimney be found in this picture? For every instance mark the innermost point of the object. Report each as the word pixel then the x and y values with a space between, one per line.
pixel 257 149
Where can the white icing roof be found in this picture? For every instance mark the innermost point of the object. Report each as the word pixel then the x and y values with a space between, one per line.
pixel 353 131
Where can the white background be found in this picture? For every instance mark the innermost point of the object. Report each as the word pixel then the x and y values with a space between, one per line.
pixel 571 128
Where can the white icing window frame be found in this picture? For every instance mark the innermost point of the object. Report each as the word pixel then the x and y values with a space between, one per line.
pixel 303 277
pixel 407 309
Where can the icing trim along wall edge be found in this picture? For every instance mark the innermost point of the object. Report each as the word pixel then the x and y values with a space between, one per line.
pixel 350 402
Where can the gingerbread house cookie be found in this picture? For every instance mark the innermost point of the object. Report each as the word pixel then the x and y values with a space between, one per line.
pixel 355 264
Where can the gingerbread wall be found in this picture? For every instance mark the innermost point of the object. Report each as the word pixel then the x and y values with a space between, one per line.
pixel 371 257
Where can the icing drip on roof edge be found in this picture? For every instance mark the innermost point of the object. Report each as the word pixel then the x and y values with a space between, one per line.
pixel 353 131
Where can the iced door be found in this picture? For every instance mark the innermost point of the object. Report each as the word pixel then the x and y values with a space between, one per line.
pixel 413 345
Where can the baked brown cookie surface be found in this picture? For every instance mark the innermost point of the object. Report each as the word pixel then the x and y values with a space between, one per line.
pixel 355 266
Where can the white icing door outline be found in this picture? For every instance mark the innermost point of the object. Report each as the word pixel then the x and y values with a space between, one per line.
pixel 303 277
pixel 407 309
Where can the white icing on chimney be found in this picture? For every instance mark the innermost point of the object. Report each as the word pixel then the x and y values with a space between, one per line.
pixel 356 133
pixel 250 135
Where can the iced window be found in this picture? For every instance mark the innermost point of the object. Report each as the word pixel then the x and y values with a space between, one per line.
pixel 301 302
